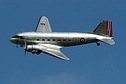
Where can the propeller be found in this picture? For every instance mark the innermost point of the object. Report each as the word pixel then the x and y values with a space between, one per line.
pixel 25 46
pixel 17 43
pixel 17 46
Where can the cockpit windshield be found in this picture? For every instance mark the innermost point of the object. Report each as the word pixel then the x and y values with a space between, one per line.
pixel 16 36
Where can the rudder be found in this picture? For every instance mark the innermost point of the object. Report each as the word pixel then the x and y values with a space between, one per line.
pixel 104 28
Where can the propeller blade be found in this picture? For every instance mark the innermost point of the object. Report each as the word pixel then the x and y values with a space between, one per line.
pixel 18 42
pixel 25 52
pixel 25 46
pixel 17 46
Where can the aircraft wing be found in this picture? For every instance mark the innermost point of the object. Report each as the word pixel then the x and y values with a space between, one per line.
pixel 43 25
pixel 53 50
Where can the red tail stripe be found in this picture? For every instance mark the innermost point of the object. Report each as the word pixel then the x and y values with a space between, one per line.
pixel 107 27
pixel 111 29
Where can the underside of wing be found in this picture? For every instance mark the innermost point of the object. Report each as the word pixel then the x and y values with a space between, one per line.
pixel 54 51
pixel 43 25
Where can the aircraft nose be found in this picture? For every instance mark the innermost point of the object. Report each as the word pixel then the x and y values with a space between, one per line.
pixel 12 40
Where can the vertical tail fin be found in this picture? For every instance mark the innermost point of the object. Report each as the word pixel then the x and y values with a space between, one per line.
pixel 43 25
pixel 104 28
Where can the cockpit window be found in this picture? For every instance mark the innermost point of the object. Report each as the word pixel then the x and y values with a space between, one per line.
pixel 17 37
pixel 21 37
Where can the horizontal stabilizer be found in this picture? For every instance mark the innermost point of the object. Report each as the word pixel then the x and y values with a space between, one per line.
pixel 108 41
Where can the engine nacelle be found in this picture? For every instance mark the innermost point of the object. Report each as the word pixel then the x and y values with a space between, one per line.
pixel 34 49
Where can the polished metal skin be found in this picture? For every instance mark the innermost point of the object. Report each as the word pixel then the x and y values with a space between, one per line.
pixel 46 41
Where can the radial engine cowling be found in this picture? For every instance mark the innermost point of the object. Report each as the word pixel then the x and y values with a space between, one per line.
pixel 31 48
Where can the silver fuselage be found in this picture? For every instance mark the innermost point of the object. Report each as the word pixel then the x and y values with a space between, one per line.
pixel 63 39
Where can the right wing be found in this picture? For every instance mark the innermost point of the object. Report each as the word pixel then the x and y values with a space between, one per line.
pixel 43 25
pixel 53 50
pixel 56 53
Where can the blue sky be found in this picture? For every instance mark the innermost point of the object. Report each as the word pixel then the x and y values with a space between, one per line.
pixel 88 64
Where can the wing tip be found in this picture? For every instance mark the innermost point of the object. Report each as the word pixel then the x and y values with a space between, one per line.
pixel 67 59
pixel 63 58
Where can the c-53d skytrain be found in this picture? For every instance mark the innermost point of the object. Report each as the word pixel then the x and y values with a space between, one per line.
pixel 46 41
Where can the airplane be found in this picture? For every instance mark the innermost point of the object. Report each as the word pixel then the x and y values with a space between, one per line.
pixel 46 41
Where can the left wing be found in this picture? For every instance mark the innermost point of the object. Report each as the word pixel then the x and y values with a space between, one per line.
pixel 53 50
pixel 43 25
